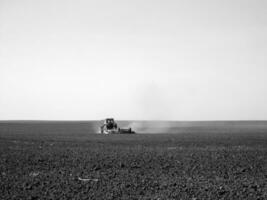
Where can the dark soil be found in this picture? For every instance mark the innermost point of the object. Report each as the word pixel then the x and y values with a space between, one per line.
pixel 142 166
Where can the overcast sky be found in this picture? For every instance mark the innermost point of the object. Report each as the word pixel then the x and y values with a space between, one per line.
pixel 138 59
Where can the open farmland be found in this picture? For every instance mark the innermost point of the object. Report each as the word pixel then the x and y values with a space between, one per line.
pixel 197 160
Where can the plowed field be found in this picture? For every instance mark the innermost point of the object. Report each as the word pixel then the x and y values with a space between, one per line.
pixel 142 166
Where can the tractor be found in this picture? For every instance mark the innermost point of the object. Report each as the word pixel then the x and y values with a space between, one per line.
pixel 111 127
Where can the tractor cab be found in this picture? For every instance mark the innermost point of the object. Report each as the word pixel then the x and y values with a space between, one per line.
pixel 110 123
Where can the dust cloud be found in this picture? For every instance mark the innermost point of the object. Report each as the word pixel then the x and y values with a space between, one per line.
pixel 152 126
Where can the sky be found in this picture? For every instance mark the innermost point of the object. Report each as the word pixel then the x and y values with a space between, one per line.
pixel 133 60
